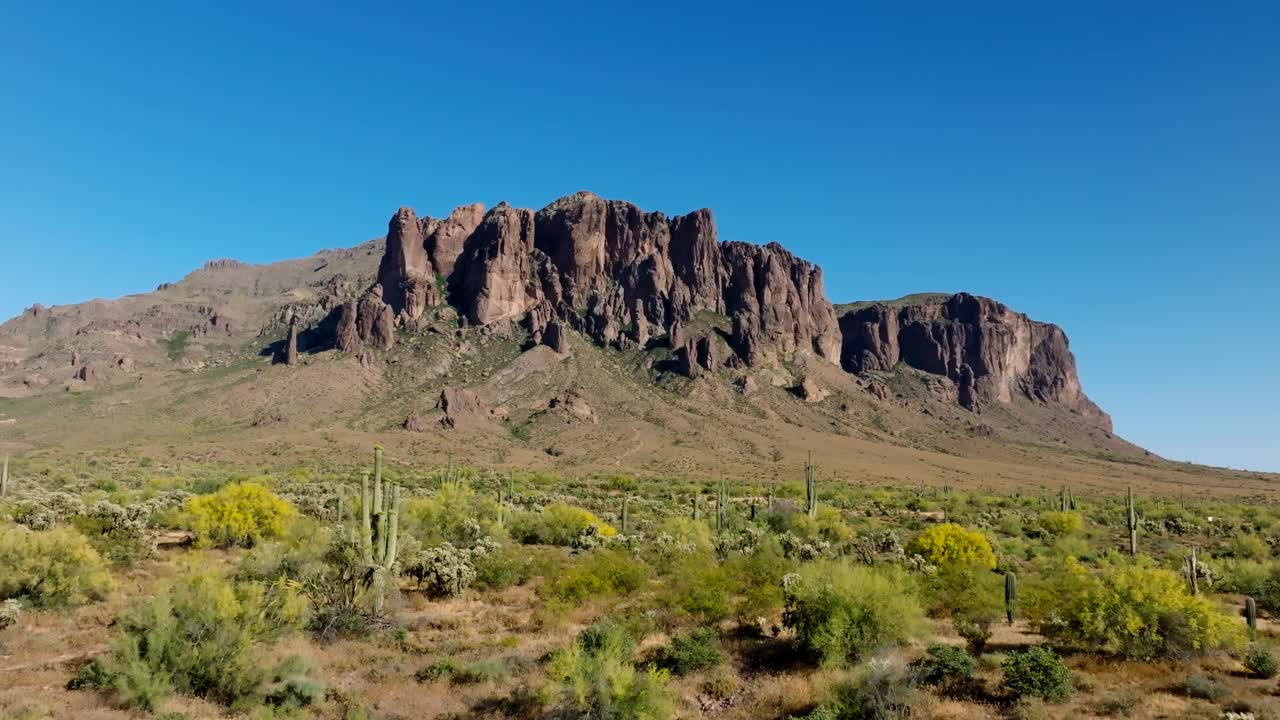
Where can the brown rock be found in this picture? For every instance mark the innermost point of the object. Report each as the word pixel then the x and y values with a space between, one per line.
pixel 460 405
pixel 347 337
pixel 446 240
pixel 404 275
pixel 415 423
pixel 291 346
pixel 575 407
pixel 879 390
pixel 554 338
pixel 86 373
pixel 492 281
pixel 810 392
pixel 747 385
pixel 987 350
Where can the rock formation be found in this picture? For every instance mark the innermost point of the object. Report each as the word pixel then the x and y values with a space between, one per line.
pixel 605 268
pixel 990 352
pixel 291 346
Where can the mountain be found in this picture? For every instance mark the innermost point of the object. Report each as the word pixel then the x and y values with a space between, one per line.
pixel 589 335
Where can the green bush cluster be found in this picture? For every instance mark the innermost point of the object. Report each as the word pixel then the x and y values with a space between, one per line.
pixel 877 690
pixel 558 524
pixel 595 679
pixel 599 573
pixel 949 543
pixel 1037 673
pixel 198 636
pixel 696 650
pixel 840 611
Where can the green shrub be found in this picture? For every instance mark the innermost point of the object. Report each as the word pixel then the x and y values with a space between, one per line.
pixel 594 679
pixel 487 670
pixel 1128 609
pixel 51 568
pixel 949 543
pixel 1202 688
pixel 1261 663
pixel 557 524
pixel 442 571
pixel 947 666
pixel 699 587
pixel 439 669
pixel 696 650
pixel 240 514
pixel 972 596
pixel 1038 673
pixel 117 533
pixel 878 690
pixel 93 675
pixel 292 687
pixel 840 612
pixel 455 514
pixel 197 636
pixel 599 573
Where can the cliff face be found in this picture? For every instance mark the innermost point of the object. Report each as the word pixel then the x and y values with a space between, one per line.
pixel 990 352
pixel 623 277
pixel 603 267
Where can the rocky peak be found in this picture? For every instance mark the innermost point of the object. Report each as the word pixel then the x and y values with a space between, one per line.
pixel 990 352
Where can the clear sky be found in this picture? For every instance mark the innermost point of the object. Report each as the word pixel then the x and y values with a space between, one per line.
pixel 1110 166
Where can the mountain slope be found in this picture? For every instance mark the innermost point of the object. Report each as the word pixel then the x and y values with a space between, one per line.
pixel 589 336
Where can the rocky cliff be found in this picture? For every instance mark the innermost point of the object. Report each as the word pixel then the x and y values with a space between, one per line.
pixel 606 268
pixel 989 352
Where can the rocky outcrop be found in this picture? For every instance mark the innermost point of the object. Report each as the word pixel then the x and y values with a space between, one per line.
pixel 291 346
pixel 989 352
pixel 605 268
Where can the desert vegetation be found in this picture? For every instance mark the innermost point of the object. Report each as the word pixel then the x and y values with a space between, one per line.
pixel 386 591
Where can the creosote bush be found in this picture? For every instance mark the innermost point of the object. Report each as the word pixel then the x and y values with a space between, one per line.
pixel 595 679
pixel 1261 663
pixel 841 612
pixel 198 635
pixel 50 568
pixel 1128 609
pixel 240 514
pixel 1037 673
pixel 949 543
pixel 599 573
pixel 696 650
pixel 879 689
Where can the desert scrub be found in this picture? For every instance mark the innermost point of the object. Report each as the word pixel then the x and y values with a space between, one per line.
pixel 445 570
pixel 879 689
pixel 950 543
pixel 840 612
pixel 595 679
pixel 51 568
pixel 947 666
pixel 240 514
pixel 697 586
pixel 118 533
pixel 558 524
pixel 599 573
pixel 1261 663
pixel 199 636
pixel 1128 609
pixel 972 596
pixel 696 650
pixel 455 514
pixel 1037 673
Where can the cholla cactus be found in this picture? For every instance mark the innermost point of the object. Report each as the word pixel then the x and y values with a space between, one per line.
pixel 442 571
pixel 10 613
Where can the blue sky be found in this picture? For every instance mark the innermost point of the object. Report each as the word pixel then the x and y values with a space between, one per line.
pixel 1112 167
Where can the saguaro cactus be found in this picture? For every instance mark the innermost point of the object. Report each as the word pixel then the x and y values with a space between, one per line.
pixel 1251 614
pixel 1010 596
pixel 811 487
pixel 626 517
pixel 697 507
pixel 4 478
pixel 722 506
pixel 1131 517
pixel 1193 572
pixel 379 527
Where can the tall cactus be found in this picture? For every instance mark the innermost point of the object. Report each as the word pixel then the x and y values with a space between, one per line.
pixel 811 487
pixel 1193 572
pixel 626 517
pixel 4 478
pixel 1131 517
pixel 1251 614
pixel 379 527
pixel 1010 596
pixel 722 506
pixel 697 507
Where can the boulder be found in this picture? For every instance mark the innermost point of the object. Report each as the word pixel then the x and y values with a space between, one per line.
pixel 810 392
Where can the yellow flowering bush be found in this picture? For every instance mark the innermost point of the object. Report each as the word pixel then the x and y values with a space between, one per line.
pixel 239 514
pixel 1061 524
pixel 51 568
pixel 558 524
pixel 1128 609
pixel 949 543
